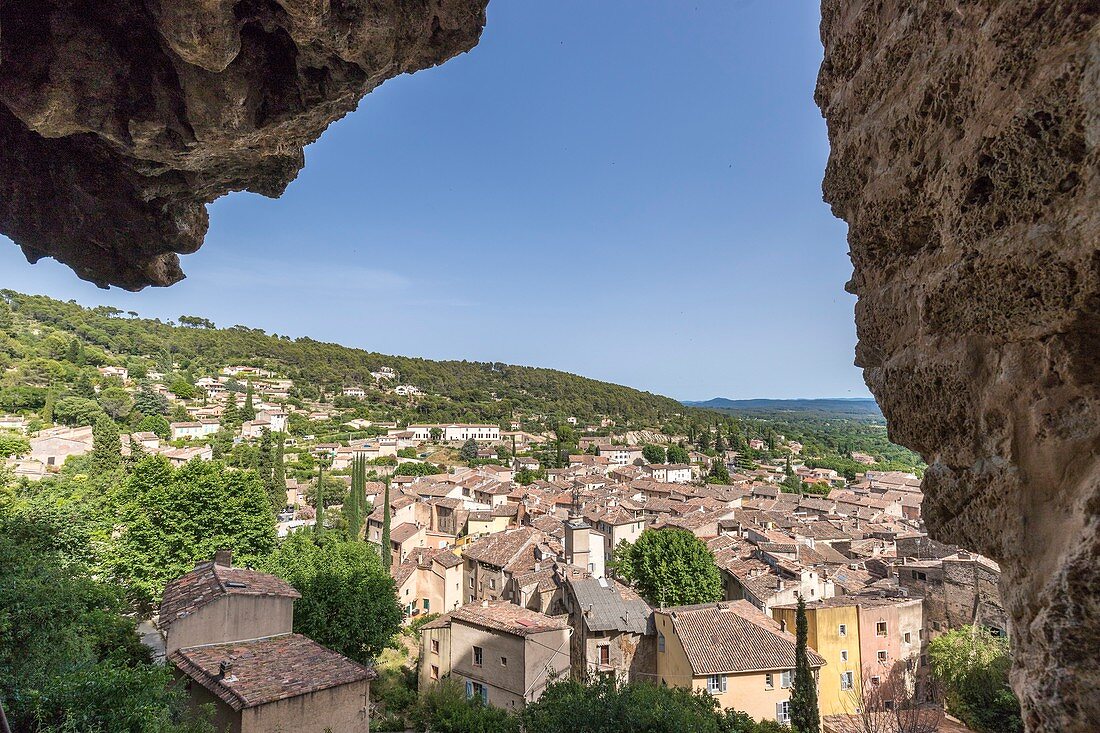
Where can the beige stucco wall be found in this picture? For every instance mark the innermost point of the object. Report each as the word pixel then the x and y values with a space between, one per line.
pixel 524 677
pixel 340 709
pixel 231 618
pixel 747 692
pixel 823 636
pixel 428 658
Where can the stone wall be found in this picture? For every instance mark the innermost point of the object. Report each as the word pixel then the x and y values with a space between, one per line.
pixel 964 157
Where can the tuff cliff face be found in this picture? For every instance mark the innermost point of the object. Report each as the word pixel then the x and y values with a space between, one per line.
pixel 965 141
pixel 120 121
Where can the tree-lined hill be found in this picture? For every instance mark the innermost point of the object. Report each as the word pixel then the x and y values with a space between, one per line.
pixel 456 390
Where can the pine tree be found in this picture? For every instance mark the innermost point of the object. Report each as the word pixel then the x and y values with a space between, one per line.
pixel 6 320
pixel 248 412
pixel 805 717
pixel 386 556
pixel 47 409
pixel 106 445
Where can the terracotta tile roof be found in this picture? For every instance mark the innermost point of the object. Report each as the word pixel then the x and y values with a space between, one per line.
pixel 266 670
pixel 501 548
pixel 733 637
pixel 208 582
pixel 507 617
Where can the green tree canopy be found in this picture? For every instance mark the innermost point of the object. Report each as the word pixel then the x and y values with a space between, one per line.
pixel 469 451
pixel 973 667
pixel 348 603
pixel 805 716
pixel 69 659
pixel 157 424
pixel 75 411
pixel 669 567
pixel 654 453
pixel 116 402
pixel 678 454
pixel 173 517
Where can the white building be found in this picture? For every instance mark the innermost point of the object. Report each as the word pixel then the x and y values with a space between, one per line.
pixel 456 432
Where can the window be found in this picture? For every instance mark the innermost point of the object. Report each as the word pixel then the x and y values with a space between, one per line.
pixel 471 581
pixel 785 680
pixel 769 681
pixel 843 629
pixel 435 646
pixel 917 575
pixel 435 672
pixel 880 628
pixel 504 661
pixel 882 656
pixel 935 625
pixel 846 681
pixel 603 654
pixel 783 711
pixel 479 653
pixel 716 684
pixel 660 642
pixel 876 680
pixel 844 655
pixel 907 637
pixel 492 584
pixel 476 689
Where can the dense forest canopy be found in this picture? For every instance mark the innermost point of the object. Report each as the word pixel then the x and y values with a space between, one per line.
pixel 483 390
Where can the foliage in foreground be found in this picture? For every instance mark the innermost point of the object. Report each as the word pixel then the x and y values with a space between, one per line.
pixel 669 567
pixel 973 667
pixel 69 660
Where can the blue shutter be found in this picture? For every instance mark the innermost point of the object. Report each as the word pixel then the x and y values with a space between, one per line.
pixel 485 694
pixel 469 689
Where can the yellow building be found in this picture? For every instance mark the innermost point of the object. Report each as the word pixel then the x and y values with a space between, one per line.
pixel 833 632
pixel 732 651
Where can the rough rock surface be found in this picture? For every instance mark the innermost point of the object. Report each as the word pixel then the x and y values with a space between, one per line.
pixel 120 120
pixel 965 139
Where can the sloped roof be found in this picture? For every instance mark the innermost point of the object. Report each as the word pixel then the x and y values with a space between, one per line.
pixel 265 670
pixel 208 582
pixel 734 637
pixel 604 609
pixel 507 617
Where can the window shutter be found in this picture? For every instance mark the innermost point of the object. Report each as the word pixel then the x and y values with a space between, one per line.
pixel 779 712
pixel 485 694
pixel 723 683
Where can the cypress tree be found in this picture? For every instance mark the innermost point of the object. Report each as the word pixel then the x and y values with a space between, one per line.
pixel 386 557
pixel 248 412
pixel 278 470
pixel 805 717
pixel 319 523
pixel 106 445
pixel 357 498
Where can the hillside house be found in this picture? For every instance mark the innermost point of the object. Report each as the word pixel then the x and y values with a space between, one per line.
pixel 228 637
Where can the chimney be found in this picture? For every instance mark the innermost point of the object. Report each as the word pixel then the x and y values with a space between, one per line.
pixel 224 558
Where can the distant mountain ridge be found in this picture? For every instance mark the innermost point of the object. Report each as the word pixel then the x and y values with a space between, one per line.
pixel 850 406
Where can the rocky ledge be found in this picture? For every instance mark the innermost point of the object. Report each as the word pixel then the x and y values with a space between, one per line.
pixel 120 121
pixel 964 157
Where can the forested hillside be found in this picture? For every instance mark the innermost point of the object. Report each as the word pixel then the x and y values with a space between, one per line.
pixel 453 390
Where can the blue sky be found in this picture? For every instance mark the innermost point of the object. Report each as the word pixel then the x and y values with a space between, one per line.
pixel 628 191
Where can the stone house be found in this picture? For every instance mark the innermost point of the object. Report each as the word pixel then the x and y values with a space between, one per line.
pixel 502 653
pixel 613 632
pixel 228 637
